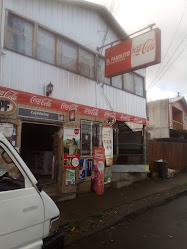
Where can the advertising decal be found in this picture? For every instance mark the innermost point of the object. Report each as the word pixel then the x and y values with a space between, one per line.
pixel 99 165
pixel 65 106
pixel 70 177
pixel 71 147
pixel 107 135
pixel 107 175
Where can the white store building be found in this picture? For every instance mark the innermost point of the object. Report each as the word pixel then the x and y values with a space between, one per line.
pixel 56 41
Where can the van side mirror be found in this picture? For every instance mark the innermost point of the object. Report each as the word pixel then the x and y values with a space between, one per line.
pixel 39 186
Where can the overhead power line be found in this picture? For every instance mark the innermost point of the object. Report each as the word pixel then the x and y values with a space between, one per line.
pixel 167 62
pixel 157 72
pixel 170 65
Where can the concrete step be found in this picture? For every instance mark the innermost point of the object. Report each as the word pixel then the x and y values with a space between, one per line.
pixel 62 197
pixel 121 184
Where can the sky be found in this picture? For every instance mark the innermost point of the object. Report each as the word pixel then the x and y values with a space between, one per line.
pixel 170 16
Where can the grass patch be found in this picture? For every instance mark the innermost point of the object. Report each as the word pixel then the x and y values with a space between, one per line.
pixel 98 214
pixel 74 224
pixel 184 185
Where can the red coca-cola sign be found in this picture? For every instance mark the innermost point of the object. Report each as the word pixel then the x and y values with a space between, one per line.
pixel 30 99
pixel 133 54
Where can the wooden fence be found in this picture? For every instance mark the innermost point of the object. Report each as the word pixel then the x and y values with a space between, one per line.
pixel 173 152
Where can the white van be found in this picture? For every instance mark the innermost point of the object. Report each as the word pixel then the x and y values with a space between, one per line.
pixel 28 217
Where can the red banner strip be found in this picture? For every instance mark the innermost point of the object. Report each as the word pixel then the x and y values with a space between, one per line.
pixel 65 106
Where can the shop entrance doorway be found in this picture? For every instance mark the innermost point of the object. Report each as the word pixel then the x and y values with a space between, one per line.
pixel 39 148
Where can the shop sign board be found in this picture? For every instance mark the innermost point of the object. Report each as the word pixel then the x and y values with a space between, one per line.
pixel 66 106
pixel 133 54
pixel 37 114
pixel 99 165
pixel 107 136
pixel 71 147
pixel 7 106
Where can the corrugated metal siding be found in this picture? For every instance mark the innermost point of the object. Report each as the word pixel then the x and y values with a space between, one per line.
pixel 25 74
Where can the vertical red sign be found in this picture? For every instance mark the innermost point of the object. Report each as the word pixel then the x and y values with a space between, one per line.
pixel 99 164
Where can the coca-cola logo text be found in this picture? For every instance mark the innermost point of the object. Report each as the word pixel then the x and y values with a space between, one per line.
pixel 9 94
pixel 98 155
pixel 125 118
pixel 40 101
pixel 143 48
pixel 110 114
pixel 68 107
pixel 93 112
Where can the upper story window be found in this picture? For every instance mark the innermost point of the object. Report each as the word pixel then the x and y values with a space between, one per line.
pixel 185 117
pixel 117 81
pixel 134 83
pixel 139 85
pixel 87 63
pixel 129 82
pixel 45 46
pixel 19 35
pixel 101 71
pixel 68 55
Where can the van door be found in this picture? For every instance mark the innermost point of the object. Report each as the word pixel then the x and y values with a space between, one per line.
pixel 21 206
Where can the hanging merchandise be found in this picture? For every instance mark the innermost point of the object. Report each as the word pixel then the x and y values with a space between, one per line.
pixel 99 164
pixel 89 166
pixel 70 176
pixel 107 136
pixel 82 170
pixel 71 147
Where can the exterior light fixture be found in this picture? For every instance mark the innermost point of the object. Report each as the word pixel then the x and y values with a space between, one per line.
pixel 49 89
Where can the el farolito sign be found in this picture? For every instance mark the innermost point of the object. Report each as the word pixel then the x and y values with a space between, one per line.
pixel 133 54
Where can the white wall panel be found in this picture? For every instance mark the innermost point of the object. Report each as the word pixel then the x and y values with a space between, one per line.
pixel 25 74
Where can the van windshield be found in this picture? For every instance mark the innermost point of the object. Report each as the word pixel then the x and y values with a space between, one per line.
pixel 10 176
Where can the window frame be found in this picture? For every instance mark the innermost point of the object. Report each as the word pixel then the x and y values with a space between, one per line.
pixel 7 12
pixel 91 141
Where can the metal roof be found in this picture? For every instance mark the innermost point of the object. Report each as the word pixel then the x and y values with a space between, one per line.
pixel 179 99
pixel 103 11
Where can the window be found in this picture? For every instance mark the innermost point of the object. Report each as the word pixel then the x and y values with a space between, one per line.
pixel 185 118
pixel 87 63
pixel 117 81
pixel 10 176
pixel 90 137
pixel 101 71
pixel 134 83
pixel 19 35
pixel 68 55
pixel 139 85
pixel 46 46
pixel 129 82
